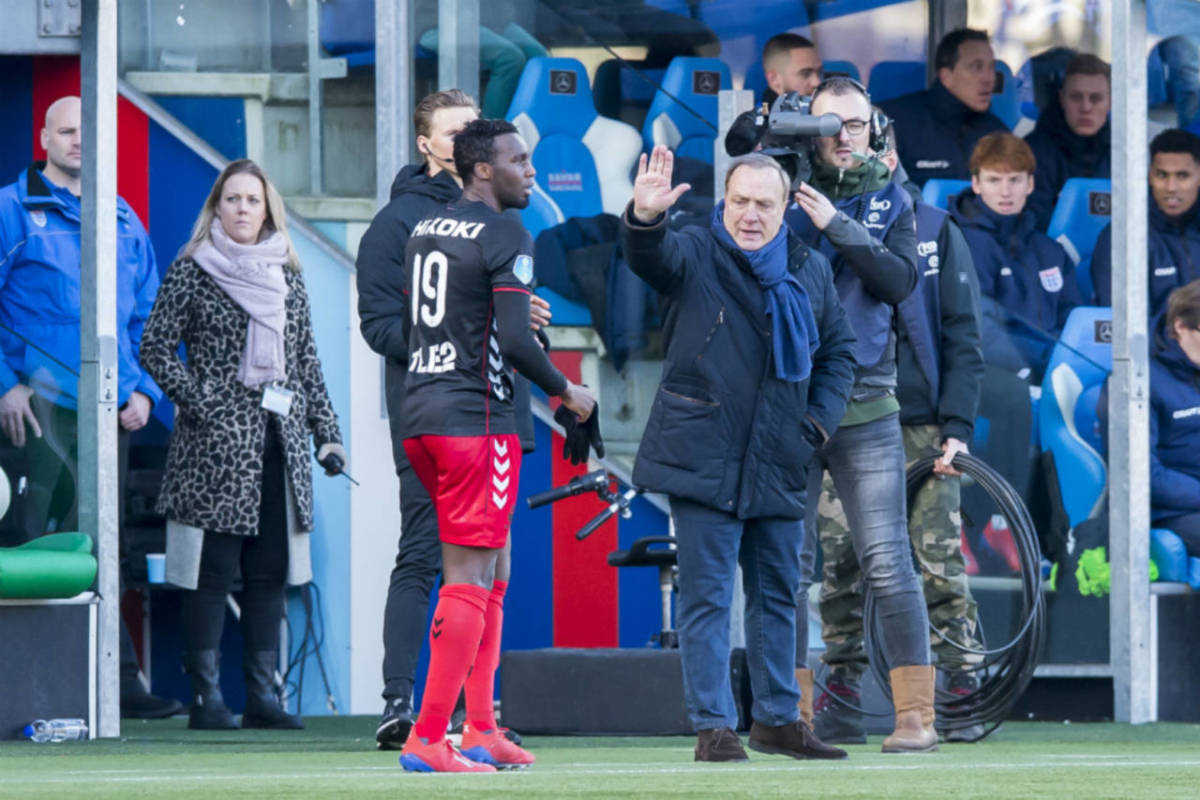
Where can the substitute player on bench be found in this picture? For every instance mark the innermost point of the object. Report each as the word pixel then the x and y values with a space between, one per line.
pixel 468 268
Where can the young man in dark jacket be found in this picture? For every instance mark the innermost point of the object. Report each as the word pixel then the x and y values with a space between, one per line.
pixel 1072 137
pixel 939 369
pixel 941 124
pixel 759 362
pixel 1173 230
pixel 383 309
pixel 856 216
pixel 1026 280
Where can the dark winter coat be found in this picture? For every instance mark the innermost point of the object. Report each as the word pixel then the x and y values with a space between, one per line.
pixel 213 478
pixel 724 431
pixel 1173 257
pixel 1026 282
pixel 938 351
pixel 936 133
pixel 1062 154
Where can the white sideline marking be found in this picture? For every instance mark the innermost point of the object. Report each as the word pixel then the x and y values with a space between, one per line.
pixel 562 770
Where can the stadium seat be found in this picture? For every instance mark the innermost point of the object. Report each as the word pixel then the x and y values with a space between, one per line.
pixel 54 565
pixel 1006 103
pixel 938 191
pixel 583 160
pixel 541 213
pixel 890 79
pixel 1157 92
pixel 683 114
pixel 1081 359
pixel 1084 208
pixel 841 68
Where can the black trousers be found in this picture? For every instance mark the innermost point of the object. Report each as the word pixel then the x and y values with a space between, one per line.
pixel 262 561
pixel 418 563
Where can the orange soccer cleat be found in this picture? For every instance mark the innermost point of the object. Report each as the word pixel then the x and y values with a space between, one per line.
pixel 440 756
pixel 493 747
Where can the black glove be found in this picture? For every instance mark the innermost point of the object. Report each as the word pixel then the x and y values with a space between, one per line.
pixel 580 437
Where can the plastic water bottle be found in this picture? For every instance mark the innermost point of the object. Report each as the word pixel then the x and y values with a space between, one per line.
pixel 56 730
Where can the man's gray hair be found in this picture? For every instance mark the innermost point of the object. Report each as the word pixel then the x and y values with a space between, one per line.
pixel 759 161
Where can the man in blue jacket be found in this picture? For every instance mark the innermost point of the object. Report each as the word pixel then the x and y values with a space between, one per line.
pixel 758 365
pixel 1072 137
pixel 1026 280
pixel 939 370
pixel 940 125
pixel 1173 229
pixel 40 263
pixel 863 222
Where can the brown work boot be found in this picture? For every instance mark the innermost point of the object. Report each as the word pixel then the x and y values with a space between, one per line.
pixel 912 695
pixel 804 679
pixel 794 739
pixel 719 744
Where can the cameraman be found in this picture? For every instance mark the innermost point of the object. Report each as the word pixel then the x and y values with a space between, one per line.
pixel 853 213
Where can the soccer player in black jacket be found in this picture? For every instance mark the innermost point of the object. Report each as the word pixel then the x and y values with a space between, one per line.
pixel 418 190
pixel 468 270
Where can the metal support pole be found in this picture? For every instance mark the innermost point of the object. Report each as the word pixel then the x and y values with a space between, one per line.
pixel 730 104
pixel 458 46
pixel 315 151
pixel 1129 428
pixel 97 337
pixel 393 93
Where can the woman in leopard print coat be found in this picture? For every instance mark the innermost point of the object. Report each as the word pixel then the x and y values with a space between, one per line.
pixel 238 482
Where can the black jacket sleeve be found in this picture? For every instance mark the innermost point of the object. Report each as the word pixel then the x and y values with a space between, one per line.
pixel 888 269
pixel 961 346
pixel 1102 268
pixel 832 374
pixel 518 345
pixel 382 303
pixel 653 252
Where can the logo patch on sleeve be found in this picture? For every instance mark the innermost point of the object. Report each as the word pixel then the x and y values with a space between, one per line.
pixel 523 269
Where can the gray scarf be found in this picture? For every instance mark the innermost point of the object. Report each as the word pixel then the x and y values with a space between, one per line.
pixel 252 276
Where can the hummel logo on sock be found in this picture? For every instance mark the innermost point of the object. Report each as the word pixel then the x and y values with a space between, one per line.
pixel 437 627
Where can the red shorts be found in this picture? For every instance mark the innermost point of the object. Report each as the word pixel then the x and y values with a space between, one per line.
pixel 473 483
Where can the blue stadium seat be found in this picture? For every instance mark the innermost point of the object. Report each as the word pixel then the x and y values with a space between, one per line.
pixel 584 160
pixel 842 67
pixel 1081 359
pixel 1157 92
pixel 889 79
pixel 541 213
pixel 348 27
pixel 695 82
pixel 1084 208
pixel 938 191
pixel 1006 104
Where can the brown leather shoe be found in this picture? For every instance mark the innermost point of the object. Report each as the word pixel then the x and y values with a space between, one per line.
pixel 912 695
pixel 719 744
pixel 795 739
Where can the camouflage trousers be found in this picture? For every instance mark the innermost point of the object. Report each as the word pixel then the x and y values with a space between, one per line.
pixel 934 526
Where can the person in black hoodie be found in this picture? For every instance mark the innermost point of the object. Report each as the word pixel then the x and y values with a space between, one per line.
pixel 941 124
pixel 1072 138
pixel 1026 280
pixel 382 308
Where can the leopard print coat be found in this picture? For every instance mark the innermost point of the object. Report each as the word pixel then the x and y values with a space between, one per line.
pixel 213 477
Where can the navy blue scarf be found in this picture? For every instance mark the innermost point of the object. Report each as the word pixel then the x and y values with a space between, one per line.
pixel 794 328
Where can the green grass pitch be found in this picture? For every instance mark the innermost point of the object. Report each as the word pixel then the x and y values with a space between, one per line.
pixel 335 758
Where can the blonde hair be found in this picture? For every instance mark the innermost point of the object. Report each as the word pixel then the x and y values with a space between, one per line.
pixel 275 222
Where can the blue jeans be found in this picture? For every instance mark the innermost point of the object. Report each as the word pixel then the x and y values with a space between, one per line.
pixel 711 546
pixel 866 463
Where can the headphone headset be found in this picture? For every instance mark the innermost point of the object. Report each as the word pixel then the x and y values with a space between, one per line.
pixel 877 143
pixel 426 151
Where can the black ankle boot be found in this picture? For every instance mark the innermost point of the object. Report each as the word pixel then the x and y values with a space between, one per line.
pixel 262 703
pixel 208 711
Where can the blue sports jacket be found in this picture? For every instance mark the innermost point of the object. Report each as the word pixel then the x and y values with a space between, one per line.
pixel 39 290
pixel 1173 257
pixel 1026 283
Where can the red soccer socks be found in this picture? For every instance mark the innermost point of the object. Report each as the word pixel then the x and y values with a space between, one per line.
pixel 481 680
pixel 454 640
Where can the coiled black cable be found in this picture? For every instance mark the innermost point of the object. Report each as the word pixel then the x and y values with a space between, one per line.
pixel 1004 672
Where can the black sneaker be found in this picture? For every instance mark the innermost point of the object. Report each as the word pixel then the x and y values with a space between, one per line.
pixel 836 715
pixel 962 684
pixel 395 724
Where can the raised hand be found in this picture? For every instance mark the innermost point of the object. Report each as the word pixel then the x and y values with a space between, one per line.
pixel 652 192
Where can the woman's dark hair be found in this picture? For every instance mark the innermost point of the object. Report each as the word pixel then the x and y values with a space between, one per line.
pixel 474 144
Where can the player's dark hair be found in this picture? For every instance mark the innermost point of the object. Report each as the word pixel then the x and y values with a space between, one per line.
pixel 782 44
pixel 475 144
pixel 1175 140
pixel 946 55
pixel 1183 305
